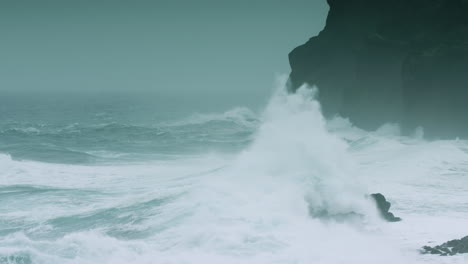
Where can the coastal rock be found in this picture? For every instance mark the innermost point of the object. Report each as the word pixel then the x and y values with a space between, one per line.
pixel 384 207
pixel 450 248
pixel 403 61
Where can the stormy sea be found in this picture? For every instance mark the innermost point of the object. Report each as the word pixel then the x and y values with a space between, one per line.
pixel 150 180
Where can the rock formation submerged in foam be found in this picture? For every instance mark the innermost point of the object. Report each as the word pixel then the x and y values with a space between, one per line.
pixel 402 61
pixel 383 207
pixel 450 248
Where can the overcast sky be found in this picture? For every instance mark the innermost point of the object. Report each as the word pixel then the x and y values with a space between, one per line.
pixel 159 45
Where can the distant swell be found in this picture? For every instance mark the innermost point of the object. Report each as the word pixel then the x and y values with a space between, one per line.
pixel 239 116
pixel 88 143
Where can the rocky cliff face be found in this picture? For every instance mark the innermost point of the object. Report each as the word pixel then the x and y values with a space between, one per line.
pixel 402 61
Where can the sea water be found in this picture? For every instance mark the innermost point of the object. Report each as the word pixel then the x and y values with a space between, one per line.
pixel 118 180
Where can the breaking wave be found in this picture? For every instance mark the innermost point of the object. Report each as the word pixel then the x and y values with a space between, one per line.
pixel 294 191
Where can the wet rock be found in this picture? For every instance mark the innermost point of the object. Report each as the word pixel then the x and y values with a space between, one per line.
pixel 384 207
pixel 450 248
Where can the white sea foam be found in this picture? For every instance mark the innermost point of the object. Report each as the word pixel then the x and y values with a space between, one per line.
pixel 284 199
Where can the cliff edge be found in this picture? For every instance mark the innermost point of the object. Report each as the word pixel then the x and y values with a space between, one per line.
pixel 403 61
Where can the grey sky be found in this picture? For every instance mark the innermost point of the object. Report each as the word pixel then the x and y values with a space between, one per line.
pixel 160 45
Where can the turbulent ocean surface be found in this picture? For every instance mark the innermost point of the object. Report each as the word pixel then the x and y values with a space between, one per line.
pixel 118 180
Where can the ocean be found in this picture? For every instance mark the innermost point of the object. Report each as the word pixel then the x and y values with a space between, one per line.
pixel 121 179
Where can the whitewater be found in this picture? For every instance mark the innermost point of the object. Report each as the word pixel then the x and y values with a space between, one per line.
pixel 280 186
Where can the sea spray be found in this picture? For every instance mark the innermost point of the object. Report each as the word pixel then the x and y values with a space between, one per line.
pixel 285 198
pixel 279 200
pixel 294 145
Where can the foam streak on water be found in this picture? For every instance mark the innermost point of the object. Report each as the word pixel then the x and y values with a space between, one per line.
pixel 293 191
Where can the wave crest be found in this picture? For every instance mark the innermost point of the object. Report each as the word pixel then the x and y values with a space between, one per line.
pixel 239 115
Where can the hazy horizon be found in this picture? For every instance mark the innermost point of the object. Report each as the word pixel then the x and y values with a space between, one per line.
pixel 151 46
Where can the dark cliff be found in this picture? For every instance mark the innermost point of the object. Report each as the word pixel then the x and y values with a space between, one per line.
pixel 403 61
